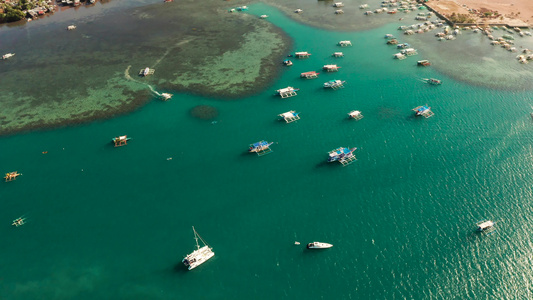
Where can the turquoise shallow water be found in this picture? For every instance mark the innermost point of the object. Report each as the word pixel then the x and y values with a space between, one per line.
pixel 107 222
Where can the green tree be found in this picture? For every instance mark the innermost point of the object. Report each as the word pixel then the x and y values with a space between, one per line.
pixel 13 15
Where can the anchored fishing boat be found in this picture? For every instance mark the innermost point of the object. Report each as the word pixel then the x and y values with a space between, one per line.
pixel 331 68
pixel 424 63
pixel 309 75
pixel 318 245
pixel 355 114
pixel 147 71
pixel 302 54
pixel 403 46
pixel 287 92
pixel 334 84
pixel 338 54
pixel 345 43
pixel 290 116
pixel 343 155
pixel 485 226
pixel 424 111
pixel 432 81
pixel 121 140
pixel 11 176
pixel 200 255
pixel 261 148
pixel 409 51
pixel 19 222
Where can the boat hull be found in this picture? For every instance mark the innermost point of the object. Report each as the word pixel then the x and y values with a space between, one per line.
pixel 318 245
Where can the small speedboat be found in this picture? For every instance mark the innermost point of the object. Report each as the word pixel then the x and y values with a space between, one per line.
pixel 318 245
pixel 287 62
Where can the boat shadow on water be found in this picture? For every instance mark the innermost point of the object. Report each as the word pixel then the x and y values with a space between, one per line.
pixel 179 268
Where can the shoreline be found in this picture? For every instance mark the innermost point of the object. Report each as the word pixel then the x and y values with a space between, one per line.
pixel 509 13
pixel 264 45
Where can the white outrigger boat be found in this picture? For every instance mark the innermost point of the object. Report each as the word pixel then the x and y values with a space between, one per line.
pixel 198 256
pixel 166 96
pixel 486 226
pixel 334 84
pixel 8 55
pixel 318 245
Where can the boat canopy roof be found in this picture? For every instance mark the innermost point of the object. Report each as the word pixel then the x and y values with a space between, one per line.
pixel 261 143
pixel 486 224
pixel 289 114
pixel 287 89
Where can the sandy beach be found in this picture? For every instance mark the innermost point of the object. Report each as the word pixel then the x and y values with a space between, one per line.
pixel 511 12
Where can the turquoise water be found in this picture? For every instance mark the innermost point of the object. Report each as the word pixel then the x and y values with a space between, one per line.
pixel 107 222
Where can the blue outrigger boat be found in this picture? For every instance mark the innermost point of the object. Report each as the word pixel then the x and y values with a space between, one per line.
pixel 343 155
pixel 334 84
pixel 261 148
pixel 424 111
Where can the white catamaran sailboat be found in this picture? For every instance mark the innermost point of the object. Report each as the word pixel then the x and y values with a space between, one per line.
pixel 200 255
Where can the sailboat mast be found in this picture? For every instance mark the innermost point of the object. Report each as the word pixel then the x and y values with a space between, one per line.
pixel 196 238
